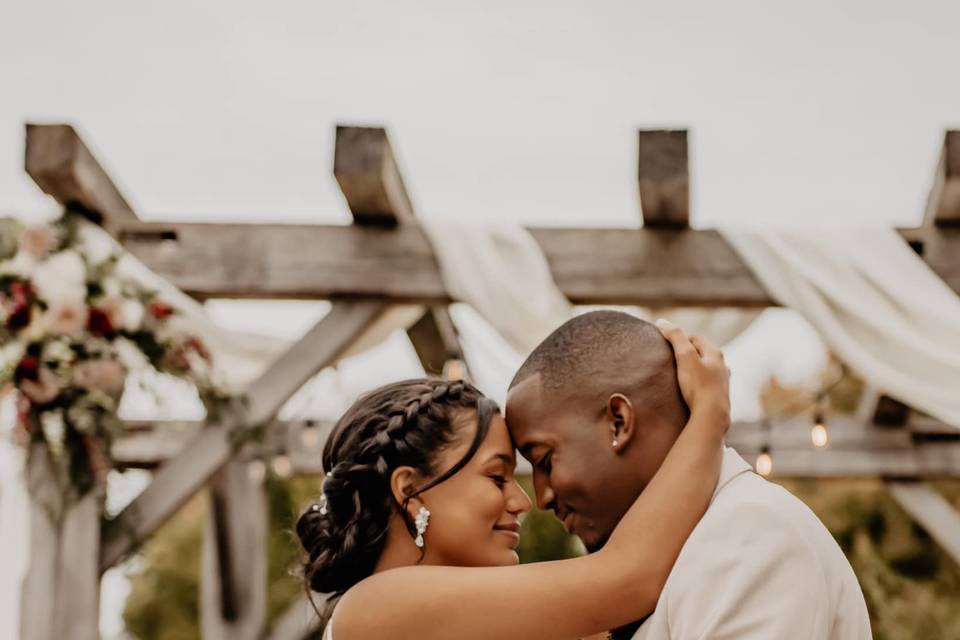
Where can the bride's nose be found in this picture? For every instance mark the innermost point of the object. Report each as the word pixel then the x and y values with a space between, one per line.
pixel 517 500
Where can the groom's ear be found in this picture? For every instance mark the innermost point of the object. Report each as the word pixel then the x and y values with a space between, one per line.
pixel 620 416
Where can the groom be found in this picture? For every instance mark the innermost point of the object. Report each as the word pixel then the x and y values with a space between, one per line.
pixel 758 566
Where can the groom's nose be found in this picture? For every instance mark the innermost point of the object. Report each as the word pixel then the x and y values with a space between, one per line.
pixel 546 498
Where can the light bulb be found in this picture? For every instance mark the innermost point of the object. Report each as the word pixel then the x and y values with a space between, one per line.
pixel 310 437
pixel 764 464
pixel 282 467
pixel 819 436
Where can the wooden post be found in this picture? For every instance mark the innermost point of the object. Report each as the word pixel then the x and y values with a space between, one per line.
pixel 61 591
pixel 300 620
pixel 62 165
pixel 370 178
pixel 234 576
pixel 664 179
pixel 943 203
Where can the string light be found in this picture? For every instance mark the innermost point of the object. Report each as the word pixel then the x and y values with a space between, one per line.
pixel 282 467
pixel 764 463
pixel 310 435
pixel 818 433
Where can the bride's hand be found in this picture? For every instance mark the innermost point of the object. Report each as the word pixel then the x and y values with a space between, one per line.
pixel 704 377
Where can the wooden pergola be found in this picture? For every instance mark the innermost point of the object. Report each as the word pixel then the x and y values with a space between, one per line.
pixel 384 259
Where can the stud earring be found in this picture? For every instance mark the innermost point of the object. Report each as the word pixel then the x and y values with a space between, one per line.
pixel 422 520
pixel 615 443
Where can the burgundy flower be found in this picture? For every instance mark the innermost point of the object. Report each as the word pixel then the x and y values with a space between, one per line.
pixel 21 291
pixel 160 310
pixel 27 369
pixel 20 317
pixel 197 345
pixel 98 323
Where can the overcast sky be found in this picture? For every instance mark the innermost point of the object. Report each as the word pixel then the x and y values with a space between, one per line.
pixel 801 114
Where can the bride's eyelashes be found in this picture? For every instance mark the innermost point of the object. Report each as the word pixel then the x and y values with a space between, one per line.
pixel 500 481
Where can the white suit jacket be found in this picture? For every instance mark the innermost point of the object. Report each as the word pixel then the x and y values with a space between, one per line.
pixel 758 566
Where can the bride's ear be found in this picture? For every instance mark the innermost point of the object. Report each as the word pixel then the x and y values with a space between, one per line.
pixel 620 422
pixel 403 483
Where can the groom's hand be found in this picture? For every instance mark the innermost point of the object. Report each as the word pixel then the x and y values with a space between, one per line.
pixel 701 371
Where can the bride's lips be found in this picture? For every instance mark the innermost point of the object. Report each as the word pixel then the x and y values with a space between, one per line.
pixel 511 529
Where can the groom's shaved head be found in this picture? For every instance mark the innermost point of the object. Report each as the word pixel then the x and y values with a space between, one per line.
pixel 602 352
pixel 595 409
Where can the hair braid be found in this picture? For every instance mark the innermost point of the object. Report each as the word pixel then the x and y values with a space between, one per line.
pixel 403 424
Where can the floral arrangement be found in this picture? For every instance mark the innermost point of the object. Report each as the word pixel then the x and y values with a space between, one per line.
pixel 71 330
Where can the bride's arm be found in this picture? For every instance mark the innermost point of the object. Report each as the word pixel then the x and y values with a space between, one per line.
pixel 567 598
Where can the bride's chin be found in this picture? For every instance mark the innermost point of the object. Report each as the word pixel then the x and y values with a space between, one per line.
pixel 510 558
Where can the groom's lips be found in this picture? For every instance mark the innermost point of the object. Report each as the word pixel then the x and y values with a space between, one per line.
pixel 567 520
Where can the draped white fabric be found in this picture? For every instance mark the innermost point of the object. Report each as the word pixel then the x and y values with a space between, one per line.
pixel 875 303
pixel 502 273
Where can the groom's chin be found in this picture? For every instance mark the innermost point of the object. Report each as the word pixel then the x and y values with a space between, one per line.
pixel 594 544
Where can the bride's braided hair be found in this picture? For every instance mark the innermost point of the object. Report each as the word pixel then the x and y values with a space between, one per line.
pixel 401 424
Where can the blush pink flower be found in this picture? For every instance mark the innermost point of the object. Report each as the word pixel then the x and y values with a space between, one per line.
pixel 67 318
pixel 112 306
pixel 38 242
pixel 103 375
pixel 44 388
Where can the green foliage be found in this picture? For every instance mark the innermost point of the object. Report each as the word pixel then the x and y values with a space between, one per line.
pixel 165 587
pixel 911 586
pixel 542 537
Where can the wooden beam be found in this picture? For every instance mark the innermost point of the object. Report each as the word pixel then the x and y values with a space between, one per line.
pixel 941 250
pixel 216 444
pixel 62 166
pixel 434 338
pixel 921 461
pixel 302 442
pixel 591 266
pixel 664 179
pixel 368 175
pixel 300 620
pixel 943 203
pixel 932 511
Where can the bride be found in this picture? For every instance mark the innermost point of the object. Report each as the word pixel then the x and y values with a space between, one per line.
pixel 419 521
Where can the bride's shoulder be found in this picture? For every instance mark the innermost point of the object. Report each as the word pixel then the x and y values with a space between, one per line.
pixel 379 596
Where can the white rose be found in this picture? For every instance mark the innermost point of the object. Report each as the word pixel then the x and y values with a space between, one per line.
pixel 132 315
pixel 130 355
pixel 57 351
pixel 22 265
pixel 62 277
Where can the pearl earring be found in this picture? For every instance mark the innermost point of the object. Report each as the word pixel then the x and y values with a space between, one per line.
pixel 615 443
pixel 422 520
